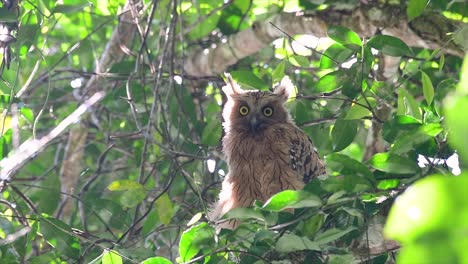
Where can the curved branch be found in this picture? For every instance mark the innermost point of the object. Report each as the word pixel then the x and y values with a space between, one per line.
pixel 363 20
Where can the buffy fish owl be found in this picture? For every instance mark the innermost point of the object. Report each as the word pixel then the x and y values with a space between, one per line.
pixel 265 151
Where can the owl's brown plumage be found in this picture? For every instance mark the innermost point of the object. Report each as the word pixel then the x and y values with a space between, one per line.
pixel 265 151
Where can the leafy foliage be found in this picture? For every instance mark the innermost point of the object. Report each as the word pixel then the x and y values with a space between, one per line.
pixel 151 161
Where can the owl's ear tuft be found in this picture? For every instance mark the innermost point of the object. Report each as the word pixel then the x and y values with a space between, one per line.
pixel 285 88
pixel 231 86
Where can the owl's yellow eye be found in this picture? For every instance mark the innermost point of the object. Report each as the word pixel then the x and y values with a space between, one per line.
pixel 267 111
pixel 244 110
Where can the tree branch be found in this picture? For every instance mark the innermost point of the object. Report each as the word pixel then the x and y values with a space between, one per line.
pixel 363 20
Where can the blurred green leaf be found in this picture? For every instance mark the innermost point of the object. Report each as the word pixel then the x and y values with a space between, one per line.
pixel 289 243
pixel 27 113
pixel 313 224
pixel 393 163
pixel 123 185
pixel 346 165
pixel 60 235
pixel 278 72
pixel 68 9
pixel 331 81
pixel 334 56
pixel 250 79
pixel 345 37
pixel 331 235
pixel 389 45
pixel 415 8
pixel 157 260
pixel 432 206
pixel 245 213
pixel 165 209
pixel 388 184
pixel 457 125
pixel 358 111
pixel 291 199
pixel 343 133
pixel 299 61
pixel 111 257
pixel 195 239
pixel 428 89
pixel 409 140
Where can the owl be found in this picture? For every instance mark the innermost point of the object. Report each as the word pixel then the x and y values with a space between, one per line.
pixel 265 151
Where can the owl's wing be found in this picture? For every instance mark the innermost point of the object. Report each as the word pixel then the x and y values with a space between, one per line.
pixel 304 159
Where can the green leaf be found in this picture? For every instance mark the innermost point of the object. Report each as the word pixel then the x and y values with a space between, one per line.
pixel 278 72
pixel 150 222
pixel 245 213
pixel 358 111
pixel 388 184
pixel 68 9
pixel 111 257
pixel 299 61
pixel 414 137
pixel 345 37
pixel 389 45
pixel 157 260
pixel 290 243
pixel 456 124
pixel 348 166
pixel 407 105
pixel 334 56
pixel 331 235
pixel 313 224
pixel 331 81
pixel 428 89
pixel 27 113
pixel 415 8
pixel 393 163
pixel 292 199
pixel 122 185
pixel 165 209
pixel 212 132
pixel 432 206
pixel 59 234
pixel 195 239
pixel 132 197
pixel 250 79
pixel 343 133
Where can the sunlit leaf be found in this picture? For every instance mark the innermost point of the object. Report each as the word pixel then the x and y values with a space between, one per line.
pixel 111 257
pixel 299 61
pixel 334 56
pixel 409 140
pixel 291 199
pixel 249 79
pixel 358 111
pixel 122 185
pixel 432 206
pixel 331 81
pixel 345 37
pixel 157 260
pixel 393 163
pixel 278 72
pixel 194 239
pixel 388 184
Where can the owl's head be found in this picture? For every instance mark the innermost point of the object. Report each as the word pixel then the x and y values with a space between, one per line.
pixel 253 111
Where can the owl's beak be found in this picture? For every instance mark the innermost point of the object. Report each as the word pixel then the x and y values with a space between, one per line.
pixel 254 124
